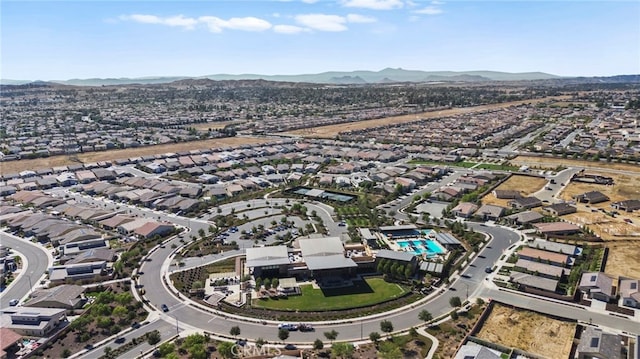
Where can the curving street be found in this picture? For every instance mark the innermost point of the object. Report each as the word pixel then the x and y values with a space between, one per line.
pixel 38 260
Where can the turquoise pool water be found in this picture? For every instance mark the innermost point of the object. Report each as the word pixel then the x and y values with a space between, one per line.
pixel 421 246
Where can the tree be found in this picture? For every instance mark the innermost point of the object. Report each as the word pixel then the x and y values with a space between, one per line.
pixel 455 302
pixel 120 312
pixel 374 337
pixel 425 315
pixel 226 349
pixel 342 350
pixel 318 344
pixel 108 352
pixel 389 350
pixel 283 334
pixel 454 315
pixel 165 348
pixel 153 337
pixel 386 326
pixel 201 232
pixel 260 342
pixel 235 331
pixel 332 335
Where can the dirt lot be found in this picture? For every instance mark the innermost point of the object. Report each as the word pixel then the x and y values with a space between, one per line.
pixel 333 130
pixel 623 259
pixel 214 125
pixel 89 157
pixel 525 184
pixel 529 331
pixel 552 162
pixel 623 238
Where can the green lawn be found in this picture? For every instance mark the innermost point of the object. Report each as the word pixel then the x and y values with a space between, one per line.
pixel 496 167
pixel 362 293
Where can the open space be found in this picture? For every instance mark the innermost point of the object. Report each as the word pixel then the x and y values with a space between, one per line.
pixel 362 293
pixel 529 331
pixel 333 130
pixel 90 157
pixel 526 185
pixel 623 238
pixel 553 162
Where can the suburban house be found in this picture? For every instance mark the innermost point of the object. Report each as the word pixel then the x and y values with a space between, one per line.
pixel 539 255
pixel 597 285
pixel 540 269
pixel 464 209
pixel 629 205
pixel 525 217
pixel 594 343
pixel 563 248
pixel 556 228
pixel 77 271
pixel 490 212
pixel 475 351
pixel 528 281
pixel 525 203
pixel 629 290
pixel 154 228
pixel 591 197
pixel 506 194
pixel 559 209
pixel 32 321
pixel 64 296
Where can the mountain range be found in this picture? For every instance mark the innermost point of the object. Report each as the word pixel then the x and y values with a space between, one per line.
pixel 386 76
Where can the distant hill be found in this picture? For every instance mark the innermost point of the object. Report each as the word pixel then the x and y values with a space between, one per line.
pixel 386 76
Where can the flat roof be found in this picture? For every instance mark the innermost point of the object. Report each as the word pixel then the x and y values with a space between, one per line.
pixel 321 246
pixel 334 261
pixel 267 256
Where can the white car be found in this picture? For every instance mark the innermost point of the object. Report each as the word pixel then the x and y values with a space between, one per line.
pixel 13 302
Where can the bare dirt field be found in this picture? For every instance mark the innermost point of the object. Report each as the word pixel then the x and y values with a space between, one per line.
pixel 623 238
pixel 214 125
pixel 526 185
pixel 90 157
pixel 623 259
pixel 333 130
pixel 529 331
pixel 553 162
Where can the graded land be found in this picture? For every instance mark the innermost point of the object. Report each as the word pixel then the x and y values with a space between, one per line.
pixel 529 331
pixel 554 162
pixel 526 185
pixel 332 131
pixel 621 237
pixel 91 157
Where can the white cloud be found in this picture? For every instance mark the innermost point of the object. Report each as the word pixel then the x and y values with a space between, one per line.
pixel 429 10
pixel 174 21
pixel 288 29
pixel 247 24
pixel 213 23
pixel 322 22
pixel 374 4
pixel 361 19
pixel 309 1
pixel 436 2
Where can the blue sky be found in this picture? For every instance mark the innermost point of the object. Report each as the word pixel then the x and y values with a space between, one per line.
pixel 57 40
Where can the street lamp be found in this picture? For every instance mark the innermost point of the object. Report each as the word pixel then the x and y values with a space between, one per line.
pixel 467 285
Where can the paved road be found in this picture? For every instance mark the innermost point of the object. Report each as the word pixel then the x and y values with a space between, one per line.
pixel 470 282
pixel 37 263
pixel 167 330
pixel 551 191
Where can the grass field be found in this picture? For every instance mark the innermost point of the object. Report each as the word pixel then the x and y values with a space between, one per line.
pixel 529 331
pixel 437 163
pixel 90 157
pixel 332 131
pixel 362 293
pixel 526 185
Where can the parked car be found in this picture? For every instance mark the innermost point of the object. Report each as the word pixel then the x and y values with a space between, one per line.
pixel 287 326
pixel 13 302
pixel 164 308
pixel 488 270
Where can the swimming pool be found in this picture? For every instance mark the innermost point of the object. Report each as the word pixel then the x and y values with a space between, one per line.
pixel 421 246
